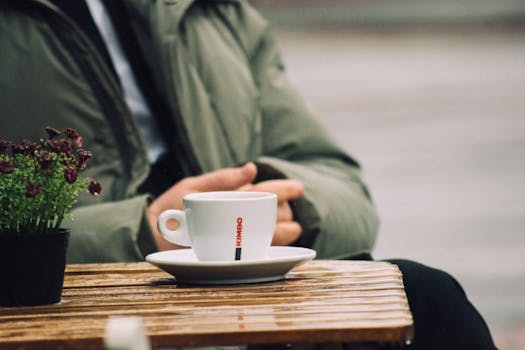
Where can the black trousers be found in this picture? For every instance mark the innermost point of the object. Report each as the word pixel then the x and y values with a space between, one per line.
pixel 444 318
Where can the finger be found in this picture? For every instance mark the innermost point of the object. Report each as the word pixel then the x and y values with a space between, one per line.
pixel 286 233
pixel 284 212
pixel 247 187
pixel 224 179
pixel 285 189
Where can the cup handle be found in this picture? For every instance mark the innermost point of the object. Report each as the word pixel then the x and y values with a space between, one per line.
pixel 178 236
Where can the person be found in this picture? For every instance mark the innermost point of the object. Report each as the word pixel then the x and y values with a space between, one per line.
pixel 174 97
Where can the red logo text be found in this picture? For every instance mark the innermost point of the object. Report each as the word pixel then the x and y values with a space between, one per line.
pixel 239 232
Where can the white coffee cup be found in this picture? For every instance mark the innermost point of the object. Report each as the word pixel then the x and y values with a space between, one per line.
pixel 224 225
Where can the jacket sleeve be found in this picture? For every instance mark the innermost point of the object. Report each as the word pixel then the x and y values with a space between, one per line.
pixel 336 212
pixel 110 232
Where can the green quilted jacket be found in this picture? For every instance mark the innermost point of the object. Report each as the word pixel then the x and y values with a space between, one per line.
pixel 220 72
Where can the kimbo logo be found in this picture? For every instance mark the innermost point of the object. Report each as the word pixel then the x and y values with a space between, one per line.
pixel 238 240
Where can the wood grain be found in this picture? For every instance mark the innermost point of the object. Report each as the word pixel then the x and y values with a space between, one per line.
pixel 319 302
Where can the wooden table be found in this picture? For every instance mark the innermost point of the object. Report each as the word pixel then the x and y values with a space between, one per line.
pixel 319 302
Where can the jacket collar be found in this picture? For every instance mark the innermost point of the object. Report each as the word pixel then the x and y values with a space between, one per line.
pixel 181 6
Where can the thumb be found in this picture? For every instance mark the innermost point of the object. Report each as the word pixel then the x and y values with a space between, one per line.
pixel 227 179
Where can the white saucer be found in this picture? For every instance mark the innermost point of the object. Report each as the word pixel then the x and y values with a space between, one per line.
pixel 183 264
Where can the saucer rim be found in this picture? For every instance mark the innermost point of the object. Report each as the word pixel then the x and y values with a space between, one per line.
pixel 295 254
pixel 233 272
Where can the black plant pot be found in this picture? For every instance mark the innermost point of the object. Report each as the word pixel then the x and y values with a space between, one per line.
pixel 32 268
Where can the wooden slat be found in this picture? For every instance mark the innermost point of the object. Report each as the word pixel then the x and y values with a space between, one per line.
pixel 321 301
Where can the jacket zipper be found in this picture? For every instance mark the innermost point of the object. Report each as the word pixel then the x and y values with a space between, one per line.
pixel 170 120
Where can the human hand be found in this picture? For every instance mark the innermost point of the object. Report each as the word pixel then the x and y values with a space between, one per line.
pixel 286 230
pixel 227 179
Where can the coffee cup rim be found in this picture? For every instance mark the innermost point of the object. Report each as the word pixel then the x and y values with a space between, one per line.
pixel 229 196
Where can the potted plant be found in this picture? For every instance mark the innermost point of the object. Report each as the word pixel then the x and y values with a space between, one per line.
pixel 39 185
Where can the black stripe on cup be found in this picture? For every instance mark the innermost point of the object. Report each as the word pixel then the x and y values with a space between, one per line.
pixel 238 253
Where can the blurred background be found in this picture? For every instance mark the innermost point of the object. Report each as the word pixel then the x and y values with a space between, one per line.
pixel 430 97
